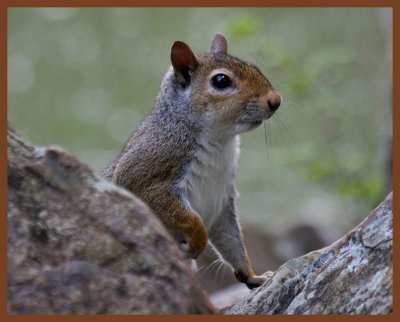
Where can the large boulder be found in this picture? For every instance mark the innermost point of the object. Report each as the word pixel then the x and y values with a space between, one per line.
pixel 351 276
pixel 78 244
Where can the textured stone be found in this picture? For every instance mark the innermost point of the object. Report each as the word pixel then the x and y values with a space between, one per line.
pixel 78 244
pixel 351 276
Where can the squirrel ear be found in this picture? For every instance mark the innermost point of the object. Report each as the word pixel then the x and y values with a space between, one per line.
pixel 219 44
pixel 182 57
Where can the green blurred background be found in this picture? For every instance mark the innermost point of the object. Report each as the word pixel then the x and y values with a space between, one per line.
pixel 84 78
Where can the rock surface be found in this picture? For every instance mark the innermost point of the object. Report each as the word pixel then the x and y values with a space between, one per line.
pixel 80 245
pixel 352 276
pixel 77 244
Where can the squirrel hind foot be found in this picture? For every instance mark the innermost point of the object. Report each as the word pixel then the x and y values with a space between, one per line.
pixel 255 280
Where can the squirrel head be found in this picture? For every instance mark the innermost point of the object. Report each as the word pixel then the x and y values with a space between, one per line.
pixel 231 95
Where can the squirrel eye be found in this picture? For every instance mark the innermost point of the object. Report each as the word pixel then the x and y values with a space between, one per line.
pixel 221 81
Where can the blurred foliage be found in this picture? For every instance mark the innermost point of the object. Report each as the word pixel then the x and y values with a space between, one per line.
pixel 244 25
pixel 84 78
pixel 348 184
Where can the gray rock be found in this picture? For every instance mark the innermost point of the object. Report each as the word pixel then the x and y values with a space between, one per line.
pixel 351 276
pixel 78 244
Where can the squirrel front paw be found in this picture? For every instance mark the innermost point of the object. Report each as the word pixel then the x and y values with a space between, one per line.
pixel 253 281
pixel 193 242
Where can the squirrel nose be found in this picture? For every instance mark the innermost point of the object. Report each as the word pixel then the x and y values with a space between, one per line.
pixel 274 100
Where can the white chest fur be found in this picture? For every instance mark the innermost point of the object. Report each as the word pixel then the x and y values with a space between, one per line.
pixel 205 185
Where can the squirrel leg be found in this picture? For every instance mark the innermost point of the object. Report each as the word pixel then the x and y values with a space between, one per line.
pixel 185 225
pixel 226 237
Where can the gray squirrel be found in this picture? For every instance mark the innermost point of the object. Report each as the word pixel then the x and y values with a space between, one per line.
pixel 181 160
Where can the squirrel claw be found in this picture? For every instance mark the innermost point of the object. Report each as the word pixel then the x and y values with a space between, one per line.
pixel 184 246
pixel 268 274
pixel 187 251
